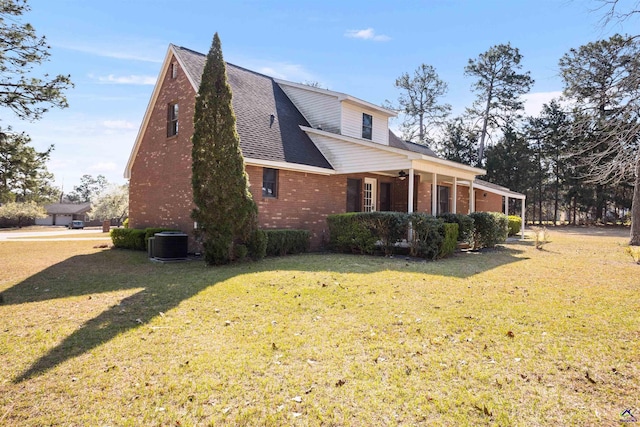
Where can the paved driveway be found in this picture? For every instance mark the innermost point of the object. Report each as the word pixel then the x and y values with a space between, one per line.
pixel 49 235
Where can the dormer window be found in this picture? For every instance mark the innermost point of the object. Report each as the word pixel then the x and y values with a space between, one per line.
pixel 367 126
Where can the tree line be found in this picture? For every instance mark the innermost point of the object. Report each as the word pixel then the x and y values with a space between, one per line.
pixel 577 161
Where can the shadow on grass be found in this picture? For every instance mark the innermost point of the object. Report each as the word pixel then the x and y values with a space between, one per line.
pixel 164 286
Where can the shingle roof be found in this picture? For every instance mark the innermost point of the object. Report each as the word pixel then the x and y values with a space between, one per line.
pixel 256 98
pixel 496 187
pixel 395 141
pixel 68 208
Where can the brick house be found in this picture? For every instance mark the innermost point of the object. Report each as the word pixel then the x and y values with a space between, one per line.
pixel 308 152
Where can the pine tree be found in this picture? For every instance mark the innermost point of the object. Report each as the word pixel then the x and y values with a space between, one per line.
pixel 498 86
pixel 419 102
pixel 225 211
pixel 23 170
pixel 458 142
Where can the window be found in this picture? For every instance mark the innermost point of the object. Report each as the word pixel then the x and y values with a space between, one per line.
pixel 174 70
pixel 385 196
pixel 269 182
pixel 443 199
pixel 172 120
pixel 367 126
pixel 369 195
pixel 354 197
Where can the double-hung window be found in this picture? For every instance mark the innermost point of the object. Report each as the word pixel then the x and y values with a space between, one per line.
pixel 269 182
pixel 172 119
pixel 367 126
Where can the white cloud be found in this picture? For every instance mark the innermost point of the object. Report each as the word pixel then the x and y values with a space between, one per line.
pixel 103 167
pixel 367 34
pixel 285 71
pixel 131 53
pixel 127 80
pixel 118 124
pixel 533 102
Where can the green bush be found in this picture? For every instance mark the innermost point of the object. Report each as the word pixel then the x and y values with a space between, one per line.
pixel 359 232
pixel 134 238
pixel 490 228
pixel 351 233
pixel 240 252
pixel 427 235
pixel 128 238
pixel 257 244
pixel 515 223
pixel 151 231
pixel 283 242
pixel 216 251
pixel 465 225
pixel 450 242
pixel 387 227
pixel 502 224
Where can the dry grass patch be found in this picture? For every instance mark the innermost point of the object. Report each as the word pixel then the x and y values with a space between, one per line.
pixel 69 235
pixel 515 336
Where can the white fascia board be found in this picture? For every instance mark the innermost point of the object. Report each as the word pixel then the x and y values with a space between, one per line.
pixel 363 142
pixel 367 105
pixel 505 192
pixel 147 113
pixel 296 167
pixel 339 95
pixel 468 170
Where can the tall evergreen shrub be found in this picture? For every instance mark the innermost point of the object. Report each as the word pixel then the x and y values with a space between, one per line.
pixel 225 211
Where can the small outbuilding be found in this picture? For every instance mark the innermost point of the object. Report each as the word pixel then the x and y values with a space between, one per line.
pixel 64 213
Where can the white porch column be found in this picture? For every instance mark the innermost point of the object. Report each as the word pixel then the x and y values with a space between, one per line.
pixel 434 195
pixel 472 198
pixel 454 204
pixel 506 205
pixel 410 196
pixel 522 228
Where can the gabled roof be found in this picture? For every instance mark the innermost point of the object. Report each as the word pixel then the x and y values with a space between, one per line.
pixel 68 208
pixel 340 96
pixel 267 121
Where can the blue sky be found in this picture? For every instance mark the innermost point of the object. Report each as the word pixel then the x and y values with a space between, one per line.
pixel 113 51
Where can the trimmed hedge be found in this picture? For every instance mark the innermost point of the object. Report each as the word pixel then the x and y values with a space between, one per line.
pixel 151 231
pixel 349 232
pixel 359 232
pixel 490 229
pixel 128 238
pixel 363 232
pixel 450 242
pixel 134 238
pixel 283 242
pixel 515 224
pixel 427 235
pixel 465 225
pixel 257 244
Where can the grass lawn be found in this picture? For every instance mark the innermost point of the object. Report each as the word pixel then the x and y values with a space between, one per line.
pixel 514 336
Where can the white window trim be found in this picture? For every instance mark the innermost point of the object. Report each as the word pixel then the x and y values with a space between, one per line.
pixel 371 205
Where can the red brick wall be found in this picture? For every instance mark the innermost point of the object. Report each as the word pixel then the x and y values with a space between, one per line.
pixel 462 206
pixel 488 202
pixel 304 201
pixel 160 185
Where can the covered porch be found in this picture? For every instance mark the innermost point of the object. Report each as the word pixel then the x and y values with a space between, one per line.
pixel 429 189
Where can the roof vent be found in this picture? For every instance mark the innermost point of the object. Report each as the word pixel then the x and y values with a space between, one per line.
pixel 272 119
